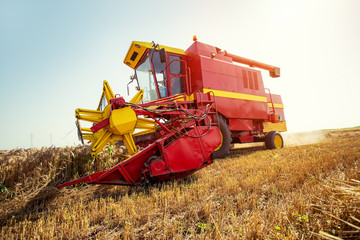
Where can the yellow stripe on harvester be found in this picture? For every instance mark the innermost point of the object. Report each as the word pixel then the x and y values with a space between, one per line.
pixel 276 105
pixel 234 95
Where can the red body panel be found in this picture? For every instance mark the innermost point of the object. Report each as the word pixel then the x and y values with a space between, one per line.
pixel 212 70
pixel 241 109
pixel 190 153
pixel 240 124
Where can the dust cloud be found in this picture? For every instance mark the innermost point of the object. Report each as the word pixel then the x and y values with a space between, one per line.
pixel 303 138
pixel 290 140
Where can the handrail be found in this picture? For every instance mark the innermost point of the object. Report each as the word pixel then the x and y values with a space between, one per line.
pixel 272 103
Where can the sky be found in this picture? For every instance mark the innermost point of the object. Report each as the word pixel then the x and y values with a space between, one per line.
pixel 54 56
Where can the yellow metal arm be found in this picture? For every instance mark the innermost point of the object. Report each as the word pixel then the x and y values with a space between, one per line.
pixel 138 97
pixel 108 92
pixel 89 115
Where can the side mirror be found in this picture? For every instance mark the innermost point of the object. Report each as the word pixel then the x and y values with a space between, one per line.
pixel 132 77
pixel 162 55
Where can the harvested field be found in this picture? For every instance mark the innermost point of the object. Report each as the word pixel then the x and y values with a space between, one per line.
pixel 303 191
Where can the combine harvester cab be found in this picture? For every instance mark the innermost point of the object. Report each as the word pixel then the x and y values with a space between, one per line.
pixel 190 106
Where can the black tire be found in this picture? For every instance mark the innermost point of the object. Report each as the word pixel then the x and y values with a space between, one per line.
pixel 226 139
pixel 273 140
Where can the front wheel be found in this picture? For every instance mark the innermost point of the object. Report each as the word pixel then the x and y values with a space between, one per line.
pixel 226 139
pixel 274 140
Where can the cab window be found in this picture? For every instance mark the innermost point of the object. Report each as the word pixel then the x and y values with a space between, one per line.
pixel 176 74
pixel 159 68
pixel 146 80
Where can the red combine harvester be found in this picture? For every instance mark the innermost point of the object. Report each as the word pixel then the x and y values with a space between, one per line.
pixel 190 106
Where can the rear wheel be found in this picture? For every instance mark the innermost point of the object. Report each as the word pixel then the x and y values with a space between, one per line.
pixel 226 139
pixel 274 140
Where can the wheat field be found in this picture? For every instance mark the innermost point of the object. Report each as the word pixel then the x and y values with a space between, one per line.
pixel 303 191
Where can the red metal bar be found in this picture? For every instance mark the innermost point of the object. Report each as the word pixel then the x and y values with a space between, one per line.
pixel 161 125
pixel 162 101
pixel 87 179
pixel 175 112
pixel 100 125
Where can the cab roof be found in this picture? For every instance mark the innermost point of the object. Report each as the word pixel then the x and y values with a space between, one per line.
pixel 137 50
